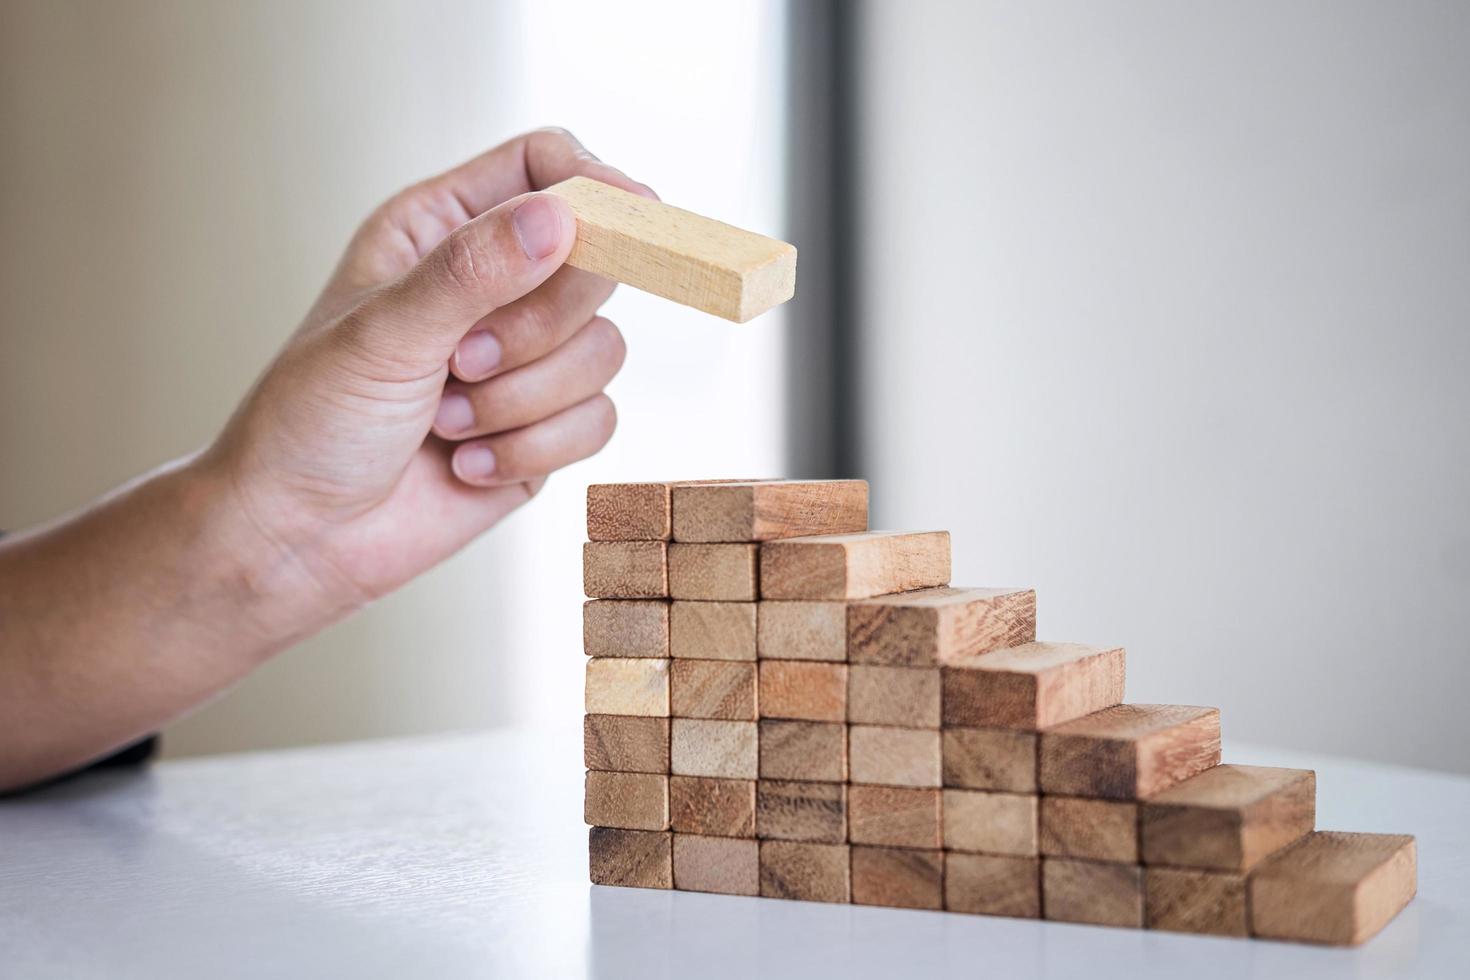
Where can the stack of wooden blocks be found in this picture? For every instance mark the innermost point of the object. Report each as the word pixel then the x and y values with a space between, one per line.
pixel 781 702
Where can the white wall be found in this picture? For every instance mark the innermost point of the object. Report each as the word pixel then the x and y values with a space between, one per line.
pixel 1167 313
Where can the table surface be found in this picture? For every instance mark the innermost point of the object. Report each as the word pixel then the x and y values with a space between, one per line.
pixel 465 855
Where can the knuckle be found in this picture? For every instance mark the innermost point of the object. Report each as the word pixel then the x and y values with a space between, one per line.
pixel 607 342
pixel 605 419
pixel 540 325
pixel 462 261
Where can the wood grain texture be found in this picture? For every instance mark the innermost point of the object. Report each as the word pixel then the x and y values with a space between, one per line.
pixel 1093 830
pixel 712 630
pixel 726 749
pixel 625 628
pixel 1333 887
pixel 619 686
pixel 801 811
pixel 886 756
pixel 624 743
pixel 628 512
pixel 1208 902
pixel 769 509
pixel 722 689
pixel 933 626
pixel 898 877
pixel 714 807
pixel 625 569
pixel 713 572
pixel 630 858
pixel 905 697
pixel 1228 818
pixel 1098 893
pixel 677 254
pixel 814 751
pixel 987 884
pixel 1128 751
pixel 990 823
pixel 804 690
pixel 807 872
pixel 989 758
pixel 801 631
pixel 626 800
pixel 894 816
pixel 853 566
pixel 726 865
pixel 1032 686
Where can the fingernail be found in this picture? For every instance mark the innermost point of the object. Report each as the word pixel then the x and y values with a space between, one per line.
pixel 477 355
pixel 538 226
pixel 455 414
pixel 646 191
pixel 474 463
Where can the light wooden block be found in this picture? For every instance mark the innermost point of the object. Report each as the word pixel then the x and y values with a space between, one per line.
pixel 1333 887
pixel 1032 686
pixel 725 749
pixel 715 807
pixel 887 756
pixel 853 566
pixel 630 858
pixel 712 630
pixel 987 884
pixel 625 628
pixel 801 811
pixel 626 800
pixel 1228 818
pixel 807 872
pixel 722 689
pixel 628 512
pixel 1094 892
pixel 625 743
pixel 726 865
pixel 904 697
pixel 894 816
pixel 625 569
pixel 933 626
pixel 898 877
pixel 1093 830
pixel 769 509
pixel 713 572
pixel 989 758
pixel 1128 751
pixel 814 751
pixel 802 631
pixel 1184 900
pixel 676 254
pixel 804 690
pixel 619 686
pixel 990 823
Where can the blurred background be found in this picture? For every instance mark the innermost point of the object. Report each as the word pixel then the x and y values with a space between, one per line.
pixel 1161 308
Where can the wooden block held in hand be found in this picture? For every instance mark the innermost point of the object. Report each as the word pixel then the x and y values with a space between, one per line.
pixel 631 858
pixel 807 872
pixel 627 800
pixel 814 751
pixel 1101 894
pixel 1094 830
pixel 712 689
pixel 714 807
pixel 803 690
pixel 904 697
pixel 802 631
pixel 617 686
pixel 1333 887
pixel 893 816
pixel 676 254
pixel 1185 900
pixel 625 628
pixel 987 884
pixel 990 823
pixel 727 865
pixel 898 877
pixel 712 630
pixel 801 811
pixel 769 509
pixel 628 512
pixel 989 758
pixel 933 626
pixel 1128 751
pixel 853 566
pixel 625 569
pixel 1031 686
pixel 713 572
pixel 1228 818
pixel 625 743
pixel 887 756
pixel 726 749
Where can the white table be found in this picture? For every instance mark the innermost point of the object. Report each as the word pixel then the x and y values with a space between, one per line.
pixel 466 856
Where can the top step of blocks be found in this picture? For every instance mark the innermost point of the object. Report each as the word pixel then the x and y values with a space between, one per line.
pixel 725 510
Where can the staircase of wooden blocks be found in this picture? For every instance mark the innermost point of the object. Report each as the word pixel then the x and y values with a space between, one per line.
pixel 783 703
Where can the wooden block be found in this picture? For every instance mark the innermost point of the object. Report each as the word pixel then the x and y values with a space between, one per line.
pixel 713 572
pixel 726 749
pixel 893 816
pixel 989 758
pixel 893 756
pixel 1184 900
pixel 618 686
pixel 676 254
pixel 1095 830
pixel 898 877
pixel 712 689
pixel 853 566
pixel 1095 892
pixel 803 689
pixel 715 807
pixel 628 512
pixel 933 626
pixel 1228 818
pixel 808 872
pixel 987 884
pixel 769 509
pixel 627 800
pixel 905 697
pixel 625 628
pixel 1333 887
pixel 1032 686
pixel 804 750
pixel 625 569
pixel 1128 751
pixel 990 823
pixel 801 631
pixel 624 743
pixel 712 630
pixel 727 865
pixel 631 858
pixel 801 811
